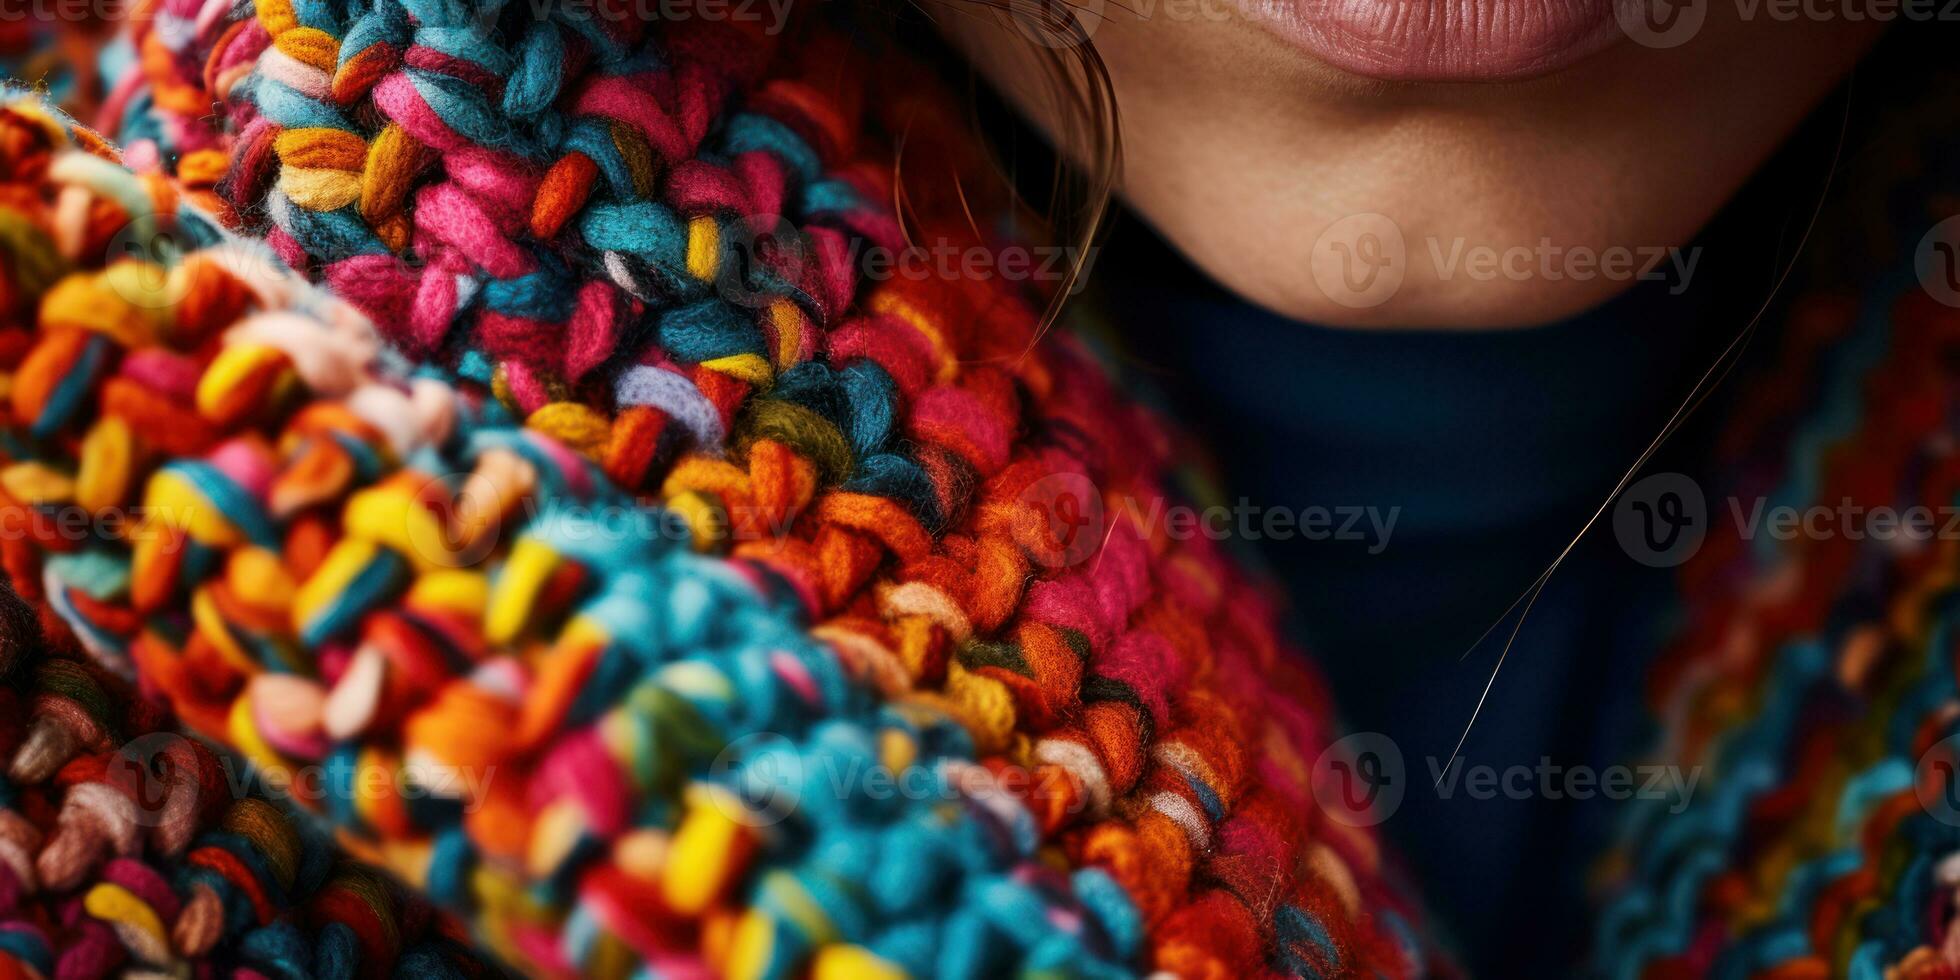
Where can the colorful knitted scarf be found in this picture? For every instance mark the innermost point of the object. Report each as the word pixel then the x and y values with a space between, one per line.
pixel 649 583
pixel 605 549
pixel 125 847
pixel 1815 681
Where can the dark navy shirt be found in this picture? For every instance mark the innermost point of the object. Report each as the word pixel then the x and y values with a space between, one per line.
pixel 1488 450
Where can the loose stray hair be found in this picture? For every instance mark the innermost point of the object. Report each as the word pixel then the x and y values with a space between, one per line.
pixel 1082 189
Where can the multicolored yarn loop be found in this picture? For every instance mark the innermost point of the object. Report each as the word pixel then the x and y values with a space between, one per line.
pixel 1816 683
pixel 626 257
pixel 172 68
pixel 107 869
pixel 127 850
pixel 557 197
pixel 615 733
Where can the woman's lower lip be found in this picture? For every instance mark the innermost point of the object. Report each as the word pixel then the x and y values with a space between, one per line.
pixel 1443 40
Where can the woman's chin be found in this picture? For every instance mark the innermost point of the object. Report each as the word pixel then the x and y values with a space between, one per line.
pixel 1433 304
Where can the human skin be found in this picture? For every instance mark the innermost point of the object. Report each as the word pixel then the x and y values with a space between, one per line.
pixel 1247 149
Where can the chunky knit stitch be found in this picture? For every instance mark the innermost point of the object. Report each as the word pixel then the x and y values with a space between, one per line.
pixel 660 657
pixel 172 65
pixel 403 581
pixel 103 867
pixel 98 876
pixel 581 216
pixel 1815 682
pixel 124 847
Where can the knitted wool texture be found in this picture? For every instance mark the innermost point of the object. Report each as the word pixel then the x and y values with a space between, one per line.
pixel 579 212
pixel 128 850
pixel 138 323
pixel 1814 685
pixel 404 582
pixel 106 868
pixel 1818 696
pixel 56 54
pixel 171 68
